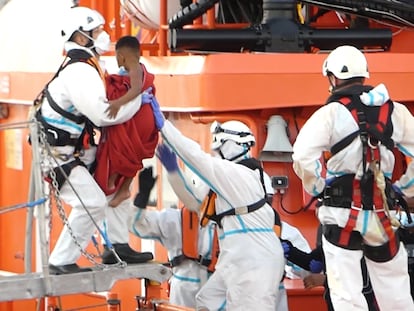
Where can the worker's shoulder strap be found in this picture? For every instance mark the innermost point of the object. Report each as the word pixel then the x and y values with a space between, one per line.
pixel 255 164
pixel 61 137
pixel 75 56
pixel 208 205
pixel 374 122
pixel 79 119
pixel 78 55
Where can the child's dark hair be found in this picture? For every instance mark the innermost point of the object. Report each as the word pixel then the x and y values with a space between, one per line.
pixel 130 42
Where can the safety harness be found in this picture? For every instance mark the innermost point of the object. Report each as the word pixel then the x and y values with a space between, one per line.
pixel 190 231
pixel 373 191
pixel 59 137
pixel 208 209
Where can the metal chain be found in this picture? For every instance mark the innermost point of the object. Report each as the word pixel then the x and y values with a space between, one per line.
pixel 54 193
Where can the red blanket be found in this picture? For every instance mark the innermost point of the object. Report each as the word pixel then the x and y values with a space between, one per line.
pixel 122 147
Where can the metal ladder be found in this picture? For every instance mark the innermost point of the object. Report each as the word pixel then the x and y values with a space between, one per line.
pixel 30 285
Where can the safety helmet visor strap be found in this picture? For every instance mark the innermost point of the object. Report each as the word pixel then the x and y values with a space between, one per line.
pixel 216 128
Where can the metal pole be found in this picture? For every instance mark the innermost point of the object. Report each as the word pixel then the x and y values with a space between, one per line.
pixel 37 181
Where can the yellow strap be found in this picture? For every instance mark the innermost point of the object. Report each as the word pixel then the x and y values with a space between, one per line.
pixel 277 229
pixel 95 63
pixel 208 208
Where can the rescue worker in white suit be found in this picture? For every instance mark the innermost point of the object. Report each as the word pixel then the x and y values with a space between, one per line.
pixel 191 248
pixel 250 262
pixel 188 190
pixel 356 217
pixel 73 102
pixel 292 234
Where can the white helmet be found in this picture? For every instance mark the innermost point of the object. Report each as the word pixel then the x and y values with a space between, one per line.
pixel 231 130
pixel 81 19
pixel 346 62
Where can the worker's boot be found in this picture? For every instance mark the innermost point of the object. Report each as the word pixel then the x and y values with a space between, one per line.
pixel 125 253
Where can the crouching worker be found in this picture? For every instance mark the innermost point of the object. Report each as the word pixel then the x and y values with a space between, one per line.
pixel 191 248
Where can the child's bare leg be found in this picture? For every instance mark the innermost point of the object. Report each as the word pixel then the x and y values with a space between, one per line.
pixel 111 180
pixel 123 192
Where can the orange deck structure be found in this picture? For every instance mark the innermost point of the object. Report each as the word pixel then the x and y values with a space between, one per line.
pixel 194 89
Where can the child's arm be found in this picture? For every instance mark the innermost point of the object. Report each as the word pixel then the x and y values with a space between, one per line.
pixel 135 76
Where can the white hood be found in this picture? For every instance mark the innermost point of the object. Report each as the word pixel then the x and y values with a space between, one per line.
pixel 376 97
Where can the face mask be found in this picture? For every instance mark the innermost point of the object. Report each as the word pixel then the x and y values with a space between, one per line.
pixel 231 151
pixel 122 71
pixel 102 43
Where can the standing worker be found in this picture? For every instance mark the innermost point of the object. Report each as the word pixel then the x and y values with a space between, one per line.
pixel 251 263
pixel 359 126
pixel 73 102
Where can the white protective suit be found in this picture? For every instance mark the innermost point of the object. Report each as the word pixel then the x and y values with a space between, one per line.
pixel 292 271
pixel 80 89
pixel 165 226
pixel 291 233
pixel 250 264
pixel 327 126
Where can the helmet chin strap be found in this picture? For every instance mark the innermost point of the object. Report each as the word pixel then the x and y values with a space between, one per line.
pixel 88 35
pixel 332 83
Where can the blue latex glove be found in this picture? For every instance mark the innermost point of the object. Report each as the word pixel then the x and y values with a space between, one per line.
pixel 158 115
pixel 167 157
pixel 122 71
pixel 315 266
pixel 286 248
pixel 147 96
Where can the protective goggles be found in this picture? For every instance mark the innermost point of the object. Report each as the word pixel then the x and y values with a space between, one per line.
pixel 216 128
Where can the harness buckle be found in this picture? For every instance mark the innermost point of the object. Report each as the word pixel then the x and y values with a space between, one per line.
pixel 355 207
pixel 241 210
pixel 326 193
pixel 373 143
pixel 377 210
pixel 78 153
